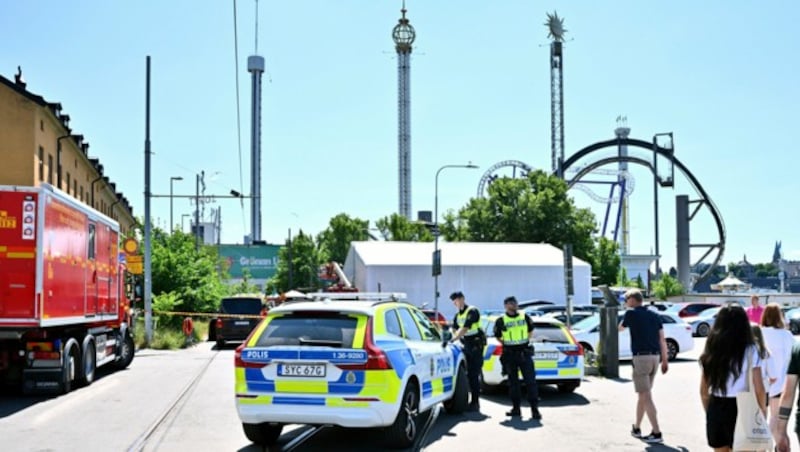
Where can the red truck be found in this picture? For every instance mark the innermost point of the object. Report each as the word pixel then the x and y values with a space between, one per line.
pixel 63 305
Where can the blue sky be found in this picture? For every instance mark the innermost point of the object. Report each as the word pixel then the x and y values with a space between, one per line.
pixel 721 75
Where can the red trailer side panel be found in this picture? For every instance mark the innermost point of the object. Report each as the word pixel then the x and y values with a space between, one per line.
pixel 18 257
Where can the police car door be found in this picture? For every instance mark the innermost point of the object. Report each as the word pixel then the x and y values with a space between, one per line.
pixel 443 364
pixel 423 355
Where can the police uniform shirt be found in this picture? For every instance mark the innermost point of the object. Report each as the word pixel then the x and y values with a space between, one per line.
pixel 473 317
pixel 500 326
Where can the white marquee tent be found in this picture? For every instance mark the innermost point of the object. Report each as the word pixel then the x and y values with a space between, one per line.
pixel 485 272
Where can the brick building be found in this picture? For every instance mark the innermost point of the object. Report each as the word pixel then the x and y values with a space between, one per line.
pixel 38 146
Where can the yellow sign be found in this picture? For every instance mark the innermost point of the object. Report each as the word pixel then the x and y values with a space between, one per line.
pixel 7 222
pixel 134 259
pixel 130 246
pixel 135 268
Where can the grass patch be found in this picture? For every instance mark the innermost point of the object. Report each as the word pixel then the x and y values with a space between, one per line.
pixel 169 337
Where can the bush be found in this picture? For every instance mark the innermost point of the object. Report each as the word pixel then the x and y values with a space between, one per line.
pixel 168 339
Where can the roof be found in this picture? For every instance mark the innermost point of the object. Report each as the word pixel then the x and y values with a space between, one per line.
pixel 366 307
pixel 460 254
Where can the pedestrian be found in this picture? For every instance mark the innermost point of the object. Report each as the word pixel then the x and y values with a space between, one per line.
pixel 755 311
pixel 648 345
pixel 729 347
pixel 514 330
pixel 779 342
pixel 787 399
pixel 467 323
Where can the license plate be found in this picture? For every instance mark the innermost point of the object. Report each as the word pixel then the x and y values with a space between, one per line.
pixel 545 356
pixel 242 323
pixel 301 370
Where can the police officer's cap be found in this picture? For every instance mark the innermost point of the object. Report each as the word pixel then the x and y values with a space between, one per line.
pixel 510 299
pixel 455 295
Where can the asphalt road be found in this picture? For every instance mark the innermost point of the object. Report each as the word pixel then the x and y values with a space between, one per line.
pixel 133 410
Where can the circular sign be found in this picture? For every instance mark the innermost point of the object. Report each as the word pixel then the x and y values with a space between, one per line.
pixel 130 246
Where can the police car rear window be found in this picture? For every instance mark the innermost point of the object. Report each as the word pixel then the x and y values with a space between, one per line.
pixel 241 306
pixel 310 329
pixel 545 332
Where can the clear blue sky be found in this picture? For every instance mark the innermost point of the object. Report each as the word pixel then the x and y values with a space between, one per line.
pixel 721 75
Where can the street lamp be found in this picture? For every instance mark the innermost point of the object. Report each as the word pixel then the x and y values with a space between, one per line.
pixel 171 223
pixel 184 215
pixel 437 255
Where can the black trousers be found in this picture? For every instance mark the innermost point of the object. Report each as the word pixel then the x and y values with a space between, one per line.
pixel 516 361
pixel 474 356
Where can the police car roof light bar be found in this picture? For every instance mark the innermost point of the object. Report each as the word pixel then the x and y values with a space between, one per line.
pixel 358 296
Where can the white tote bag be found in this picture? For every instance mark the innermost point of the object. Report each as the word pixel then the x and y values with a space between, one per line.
pixel 751 431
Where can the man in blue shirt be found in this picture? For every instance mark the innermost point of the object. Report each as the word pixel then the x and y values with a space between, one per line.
pixel 647 345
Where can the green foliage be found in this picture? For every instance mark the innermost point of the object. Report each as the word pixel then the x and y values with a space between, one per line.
pixel 334 241
pixel 298 265
pixel 766 270
pixel 165 338
pixel 605 261
pixel 532 210
pixel 622 278
pixel 398 228
pixel 638 282
pixel 244 286
pixel 194 277
pixel 667 286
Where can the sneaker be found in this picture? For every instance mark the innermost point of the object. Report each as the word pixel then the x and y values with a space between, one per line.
pixel 636 432
pixel 653 438
pixel 515 412
pixel 535 414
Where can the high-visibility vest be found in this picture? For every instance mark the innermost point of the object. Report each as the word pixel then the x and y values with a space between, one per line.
pixel 461 320
pixel 516 330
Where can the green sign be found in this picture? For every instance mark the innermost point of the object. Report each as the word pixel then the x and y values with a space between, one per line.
pixel 260 260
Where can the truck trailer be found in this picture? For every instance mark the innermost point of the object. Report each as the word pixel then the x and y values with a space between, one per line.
pixel 64 310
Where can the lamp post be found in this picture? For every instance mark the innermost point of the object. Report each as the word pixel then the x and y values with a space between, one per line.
pixel 437 255
pixel 171 223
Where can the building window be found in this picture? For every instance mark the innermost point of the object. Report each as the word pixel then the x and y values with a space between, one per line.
pixel 69 182
pixel 41 164
pixel 49 168
pixel 76 163
pixel 81 193
pixel 41 125
pixel 75 187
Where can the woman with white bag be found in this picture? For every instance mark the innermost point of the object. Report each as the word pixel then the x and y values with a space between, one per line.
pixel 731 378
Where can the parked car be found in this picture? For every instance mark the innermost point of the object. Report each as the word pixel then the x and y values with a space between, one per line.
pixel 792 317
pixel 702 323
pixel 238 316
pixel 363 363
pixel 558 358
pixel 561 316
pixel 690 309
pixel 677 332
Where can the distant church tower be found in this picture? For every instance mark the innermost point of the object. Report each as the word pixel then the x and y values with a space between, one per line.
pixel 776 255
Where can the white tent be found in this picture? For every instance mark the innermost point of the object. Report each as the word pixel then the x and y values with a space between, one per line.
pixel 485 272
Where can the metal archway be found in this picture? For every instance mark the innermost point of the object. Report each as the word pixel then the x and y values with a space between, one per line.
pixel 670 155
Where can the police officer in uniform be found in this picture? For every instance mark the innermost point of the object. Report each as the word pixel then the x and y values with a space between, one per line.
pixel 515 331
pixel 467 325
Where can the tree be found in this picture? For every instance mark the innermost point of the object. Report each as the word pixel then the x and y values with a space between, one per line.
pixel 399 228
pixel 667 286
pixel 532 210
pixel 298 264
pixel 605 261
pixel 334 241
pixel 622 278
pixel 638 282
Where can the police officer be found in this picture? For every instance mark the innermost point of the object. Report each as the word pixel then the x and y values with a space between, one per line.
pixel 515 331
pixel 467 325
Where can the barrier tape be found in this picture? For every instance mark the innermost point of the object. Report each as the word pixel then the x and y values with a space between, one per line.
pixel 210 314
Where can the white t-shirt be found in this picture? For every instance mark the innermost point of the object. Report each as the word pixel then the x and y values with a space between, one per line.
pixel 779 342
pixel 738 385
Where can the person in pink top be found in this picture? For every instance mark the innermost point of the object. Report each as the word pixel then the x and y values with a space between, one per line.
pixel 755 311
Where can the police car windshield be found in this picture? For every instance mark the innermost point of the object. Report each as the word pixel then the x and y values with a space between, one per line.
pixel 309 329
pixel 241 306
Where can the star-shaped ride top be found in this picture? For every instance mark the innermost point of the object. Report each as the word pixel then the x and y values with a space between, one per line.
pixel 555 26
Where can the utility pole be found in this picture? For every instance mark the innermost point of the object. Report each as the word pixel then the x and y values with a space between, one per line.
pixel 148 281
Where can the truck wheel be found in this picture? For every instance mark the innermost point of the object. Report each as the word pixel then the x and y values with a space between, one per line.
pixel 89 364
pixel 126 351
pixel 69 371
pixel 265 434
pixel 403 432
pixel 459 402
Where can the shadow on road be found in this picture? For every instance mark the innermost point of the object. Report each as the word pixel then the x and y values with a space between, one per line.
pixel 548 397
pixel 665 448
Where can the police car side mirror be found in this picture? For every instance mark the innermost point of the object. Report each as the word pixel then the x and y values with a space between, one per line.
pixel 447 336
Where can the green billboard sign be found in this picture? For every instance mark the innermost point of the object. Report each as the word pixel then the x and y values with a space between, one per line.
pixel 261 261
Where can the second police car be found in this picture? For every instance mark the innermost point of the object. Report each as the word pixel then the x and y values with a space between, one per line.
pixel 557 355
pixel 351 363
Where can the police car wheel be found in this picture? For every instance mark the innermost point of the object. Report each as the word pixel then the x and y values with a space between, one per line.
pixel 265 434
pixel 403 432
pixel 460 400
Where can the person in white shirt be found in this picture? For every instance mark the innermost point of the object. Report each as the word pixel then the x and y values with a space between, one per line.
pixel 729 348
pixel 779 342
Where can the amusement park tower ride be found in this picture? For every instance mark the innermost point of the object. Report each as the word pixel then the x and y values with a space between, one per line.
pixel 403 35
pixel 556 26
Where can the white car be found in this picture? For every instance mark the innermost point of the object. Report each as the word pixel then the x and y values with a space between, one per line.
pixel 702 323
pixel 557 356
pixel 677 332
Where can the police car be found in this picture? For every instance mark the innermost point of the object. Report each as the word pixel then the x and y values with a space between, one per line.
pixel 557 355
pixel 371 362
